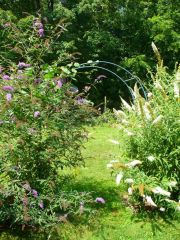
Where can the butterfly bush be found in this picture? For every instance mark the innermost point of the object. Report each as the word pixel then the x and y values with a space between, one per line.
pixel 41 135
pixel 150 145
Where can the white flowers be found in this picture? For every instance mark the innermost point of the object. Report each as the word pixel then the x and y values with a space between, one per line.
pixel 129 180
pixel 133 163
pixel 119 177
pixel 150 158
pixel 150 95
pixel 158 119
pixel 109 165
pixel 159 190
pixel 162 209
pixel 114 161
pixel 149 202
pixel 130 191
pixel 119 113
pixel 126 105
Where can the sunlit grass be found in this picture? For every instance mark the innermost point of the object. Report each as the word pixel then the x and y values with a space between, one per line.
pixel 113 220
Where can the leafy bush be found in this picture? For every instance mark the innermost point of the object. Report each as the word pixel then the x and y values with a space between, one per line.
pixel 150 135
pixel 41 134
pixel 32 39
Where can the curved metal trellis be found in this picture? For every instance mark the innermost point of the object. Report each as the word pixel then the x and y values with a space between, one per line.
pixel 93 65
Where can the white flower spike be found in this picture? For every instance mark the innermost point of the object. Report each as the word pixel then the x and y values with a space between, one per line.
pixel 134 163
pixel 129 180
pixel 162 209
pixel 119 177
pixel 109 165
pixel 159 190
pixel 151 158
pixel 149 202
pixel 130 191
pixel 158 119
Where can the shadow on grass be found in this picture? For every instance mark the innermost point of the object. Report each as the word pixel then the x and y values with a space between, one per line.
pixel 157 221
pixel 114 204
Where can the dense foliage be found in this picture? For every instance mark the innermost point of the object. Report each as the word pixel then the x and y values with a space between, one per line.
pixel 41 134
pixel 118 31
pixel 150 136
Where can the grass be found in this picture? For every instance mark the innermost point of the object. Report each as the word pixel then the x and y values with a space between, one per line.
pixel 113 220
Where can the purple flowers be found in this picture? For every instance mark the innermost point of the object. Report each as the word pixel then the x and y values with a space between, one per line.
pixel 100 200
pixel 23 65
pixel 80 100
pixel 7 88
pixel 41 204
pixel 36 114
pixel 8 97
pixel 39 26
pixel 59 83
pixel 41 32
pixel 34 193
pixel 6 77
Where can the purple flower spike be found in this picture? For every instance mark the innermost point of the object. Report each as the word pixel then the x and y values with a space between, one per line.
pixel 7 88
pixel 35 193
pixel 36 114
pixel 41 205
pixel 41 32
pixel 23 65
pixel 38 25
pixel 59 83
pixel 6 77
pixel 8 97
pixel 81 101
pixel 100 200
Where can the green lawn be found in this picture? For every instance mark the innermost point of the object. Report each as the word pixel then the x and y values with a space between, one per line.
pixel 114 220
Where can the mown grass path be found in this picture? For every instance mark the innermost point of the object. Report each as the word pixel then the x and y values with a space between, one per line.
pixel 114 220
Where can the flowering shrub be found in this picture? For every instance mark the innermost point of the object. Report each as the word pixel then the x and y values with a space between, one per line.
pixel 150 133
pixel 41 134
pixel 31 39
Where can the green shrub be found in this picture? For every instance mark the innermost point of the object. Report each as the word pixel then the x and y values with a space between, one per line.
pixel 150 136
pixel 41 134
